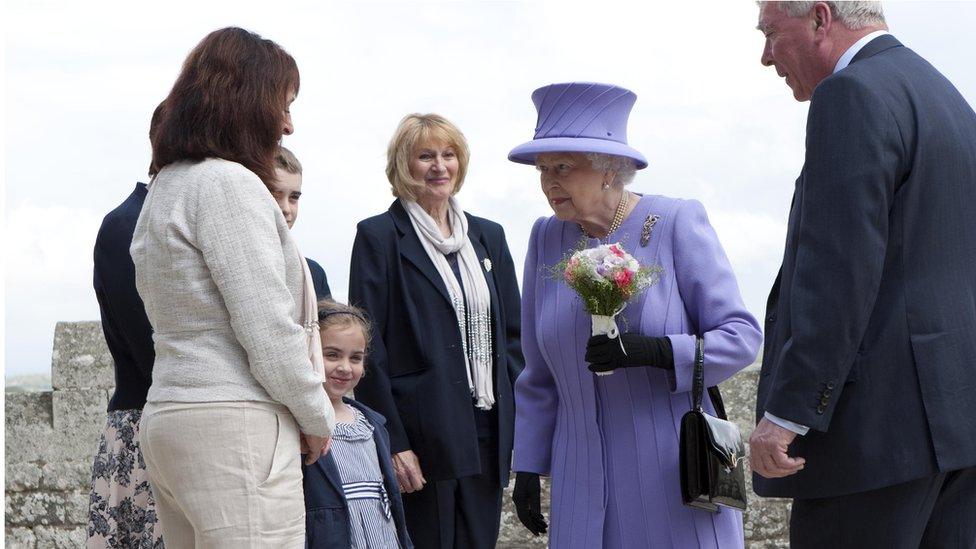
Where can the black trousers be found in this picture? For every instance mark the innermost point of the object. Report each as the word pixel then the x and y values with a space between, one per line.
pixel 463 513
pixel 937 512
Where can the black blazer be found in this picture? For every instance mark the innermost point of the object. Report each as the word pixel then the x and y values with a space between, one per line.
pixel 326 508
pixel 871 325
pixel 415 374
pixel 319 280
pixel 124 321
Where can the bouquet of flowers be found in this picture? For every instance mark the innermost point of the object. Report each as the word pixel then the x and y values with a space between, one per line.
pixel 606 278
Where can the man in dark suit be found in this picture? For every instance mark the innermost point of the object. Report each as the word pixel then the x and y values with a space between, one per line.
pixel 287 190
pixel 867 397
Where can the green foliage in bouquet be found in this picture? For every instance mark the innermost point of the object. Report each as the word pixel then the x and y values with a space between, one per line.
pixel 605 277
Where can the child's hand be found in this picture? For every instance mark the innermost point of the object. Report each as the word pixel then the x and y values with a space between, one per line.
pixel 409 475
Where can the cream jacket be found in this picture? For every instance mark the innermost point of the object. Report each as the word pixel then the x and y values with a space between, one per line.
pixel 222 283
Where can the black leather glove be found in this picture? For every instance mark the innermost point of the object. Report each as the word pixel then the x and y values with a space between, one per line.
pixel 604 354
pixel 527 496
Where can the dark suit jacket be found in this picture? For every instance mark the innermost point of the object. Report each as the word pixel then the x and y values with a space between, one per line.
pixel 319 280
pixel 326 508
pixel 124 322
pixel 871 325
pixel 416 374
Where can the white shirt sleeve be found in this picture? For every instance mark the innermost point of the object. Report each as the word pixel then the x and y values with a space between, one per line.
pixel 787 424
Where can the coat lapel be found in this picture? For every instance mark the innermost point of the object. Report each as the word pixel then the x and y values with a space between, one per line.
pixel 331 473
pixel 474 234
pixel 476 237
pixel 413 251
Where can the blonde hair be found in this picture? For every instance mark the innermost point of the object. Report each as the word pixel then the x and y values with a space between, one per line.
pixel 286 160
pixel 333 314
pixel 418 129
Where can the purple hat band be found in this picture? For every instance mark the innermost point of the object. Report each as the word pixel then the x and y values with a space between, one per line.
pixel 580 117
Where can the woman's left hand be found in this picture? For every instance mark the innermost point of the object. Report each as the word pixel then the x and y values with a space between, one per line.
pixel 313 447
pixel 630 350
pixel 408 472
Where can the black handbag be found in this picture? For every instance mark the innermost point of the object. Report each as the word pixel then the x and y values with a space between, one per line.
pixel 711 452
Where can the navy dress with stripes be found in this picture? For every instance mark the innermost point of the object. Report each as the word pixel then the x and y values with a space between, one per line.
pixel 370 519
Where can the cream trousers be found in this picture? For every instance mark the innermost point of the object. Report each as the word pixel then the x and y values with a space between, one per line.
pixel 225 474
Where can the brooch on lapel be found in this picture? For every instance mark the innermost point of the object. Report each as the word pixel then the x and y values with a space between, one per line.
pixel 487 263
pixel 649 223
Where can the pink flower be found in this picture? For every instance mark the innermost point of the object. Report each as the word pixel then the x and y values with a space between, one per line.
pixel 623 278
pixel 616 250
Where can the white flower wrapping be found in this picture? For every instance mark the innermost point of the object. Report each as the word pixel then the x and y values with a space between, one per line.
pixel 606 325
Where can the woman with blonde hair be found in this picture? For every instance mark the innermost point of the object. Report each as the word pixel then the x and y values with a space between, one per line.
pixel 440 286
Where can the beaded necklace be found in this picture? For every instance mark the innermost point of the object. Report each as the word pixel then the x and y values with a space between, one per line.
pixel 618 216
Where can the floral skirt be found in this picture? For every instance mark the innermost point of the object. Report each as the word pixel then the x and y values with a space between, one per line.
pixel 121 511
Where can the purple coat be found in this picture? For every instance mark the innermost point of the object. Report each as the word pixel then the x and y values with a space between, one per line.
pixel 610 444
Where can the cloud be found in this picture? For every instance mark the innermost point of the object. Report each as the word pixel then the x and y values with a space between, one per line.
pixel 47 244
pixel 48 254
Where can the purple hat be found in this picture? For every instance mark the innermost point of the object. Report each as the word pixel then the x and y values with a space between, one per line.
pixel 580 117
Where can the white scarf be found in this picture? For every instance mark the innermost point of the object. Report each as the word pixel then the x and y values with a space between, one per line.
pixel 472 305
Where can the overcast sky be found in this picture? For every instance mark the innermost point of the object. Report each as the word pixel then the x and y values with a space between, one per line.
pixel 82 79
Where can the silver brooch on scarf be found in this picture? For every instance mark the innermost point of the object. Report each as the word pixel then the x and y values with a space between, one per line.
pixel 649 223
pixel 487 264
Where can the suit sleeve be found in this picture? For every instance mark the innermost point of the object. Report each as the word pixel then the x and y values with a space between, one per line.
pixel 853 161
pixel 711 297
pixel 509 291
pixel 369 289
pixel 536 399
pixel 237 235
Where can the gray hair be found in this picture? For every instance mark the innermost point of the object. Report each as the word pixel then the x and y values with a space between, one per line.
pixel 853 15
pixel 624 166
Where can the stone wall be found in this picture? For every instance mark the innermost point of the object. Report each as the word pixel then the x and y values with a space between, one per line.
pixel 51 438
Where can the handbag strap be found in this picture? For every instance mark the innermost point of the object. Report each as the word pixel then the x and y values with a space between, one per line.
pixel 698 384
pixel 698 378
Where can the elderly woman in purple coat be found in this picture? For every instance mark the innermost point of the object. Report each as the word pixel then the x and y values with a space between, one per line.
pixel 610 443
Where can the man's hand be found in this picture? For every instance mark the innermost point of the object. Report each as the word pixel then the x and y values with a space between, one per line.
pixel 314 447
pixel 768 445
pixel 408 473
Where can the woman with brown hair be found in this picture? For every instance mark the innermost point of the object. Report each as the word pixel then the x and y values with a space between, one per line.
pixel 232 307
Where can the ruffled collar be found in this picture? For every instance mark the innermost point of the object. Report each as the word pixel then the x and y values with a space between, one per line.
pixel 359 429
